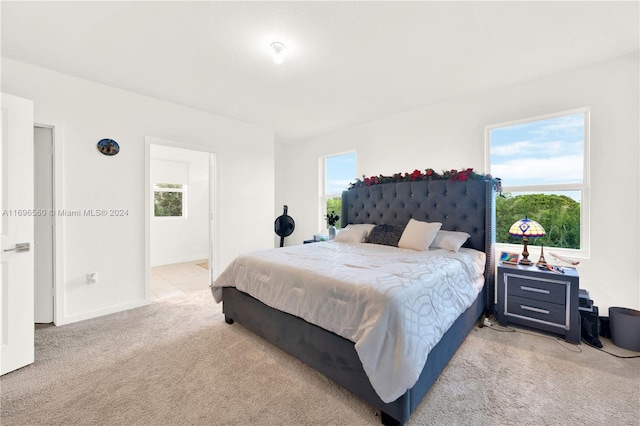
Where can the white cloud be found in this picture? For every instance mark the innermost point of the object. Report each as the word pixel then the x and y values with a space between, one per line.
pixel 556 169
pixel 338 185
pixel 513 149
pixel 570 122
pixel 538 149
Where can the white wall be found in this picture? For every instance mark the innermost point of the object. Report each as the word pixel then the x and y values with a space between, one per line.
pixel 451 135
pixel 186 238
pixel 114 246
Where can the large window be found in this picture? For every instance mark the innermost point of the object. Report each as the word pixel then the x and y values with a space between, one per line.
pixel 543 164
pixel 338 172
pixel 169 200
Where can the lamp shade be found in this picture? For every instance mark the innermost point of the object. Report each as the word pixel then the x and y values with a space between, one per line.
pixel 527 228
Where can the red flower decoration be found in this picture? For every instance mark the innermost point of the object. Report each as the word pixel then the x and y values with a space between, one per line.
pixel 417 174
pixel 429 174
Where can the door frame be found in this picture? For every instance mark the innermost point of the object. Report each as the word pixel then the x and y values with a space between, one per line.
pixel 148 208
pixel 57 129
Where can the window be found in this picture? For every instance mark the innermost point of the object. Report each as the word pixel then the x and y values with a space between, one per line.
pixel 543 164
pixel 338 172
pixel 169 200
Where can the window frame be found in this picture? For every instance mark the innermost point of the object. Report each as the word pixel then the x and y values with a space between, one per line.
pixel 324 196
pixel 182 190
pixel 583 187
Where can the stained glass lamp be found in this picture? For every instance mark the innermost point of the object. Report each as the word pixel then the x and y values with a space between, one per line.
pixel 525 229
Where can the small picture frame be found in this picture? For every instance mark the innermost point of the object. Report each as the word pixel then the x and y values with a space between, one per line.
pixel 510 258
pixel 108 147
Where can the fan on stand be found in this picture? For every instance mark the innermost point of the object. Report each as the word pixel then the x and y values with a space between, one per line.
pixel 284 226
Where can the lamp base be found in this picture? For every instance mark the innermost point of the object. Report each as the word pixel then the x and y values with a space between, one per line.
pixel 525 254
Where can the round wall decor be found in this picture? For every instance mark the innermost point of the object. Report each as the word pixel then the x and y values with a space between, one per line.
pixel 108 147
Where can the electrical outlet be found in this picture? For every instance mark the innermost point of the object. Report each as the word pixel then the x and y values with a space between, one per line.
pixel 92 277
pixel 487 322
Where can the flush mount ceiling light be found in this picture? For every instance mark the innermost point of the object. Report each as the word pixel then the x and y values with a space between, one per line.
pixel 278 52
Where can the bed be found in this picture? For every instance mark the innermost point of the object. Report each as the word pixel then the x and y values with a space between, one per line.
pixel 460 206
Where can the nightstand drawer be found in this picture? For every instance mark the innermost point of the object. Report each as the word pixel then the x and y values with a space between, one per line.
pixel 544 311
pixel 532 288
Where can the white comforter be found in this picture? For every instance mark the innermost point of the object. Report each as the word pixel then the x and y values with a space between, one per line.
pixel 394 304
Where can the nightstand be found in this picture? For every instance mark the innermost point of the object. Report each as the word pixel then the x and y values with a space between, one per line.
pixel 539 299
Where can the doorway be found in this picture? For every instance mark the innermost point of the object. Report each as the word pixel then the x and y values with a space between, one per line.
pixel 44 225
pixel 180 181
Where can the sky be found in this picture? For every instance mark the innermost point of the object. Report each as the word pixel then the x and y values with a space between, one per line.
pixel 541 152
pixel 340 172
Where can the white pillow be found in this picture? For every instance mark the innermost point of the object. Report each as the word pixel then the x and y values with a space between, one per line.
pixel 418 235
pixel 366 226
pixel 347 235
pixel 449 240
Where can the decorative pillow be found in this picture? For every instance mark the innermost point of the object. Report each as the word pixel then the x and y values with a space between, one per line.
pixel 366 226
pixel 418 235
pixel 347 235
pixel 449 240
pixel 387 235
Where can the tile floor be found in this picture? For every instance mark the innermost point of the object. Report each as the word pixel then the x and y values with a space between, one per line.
pixel 178 278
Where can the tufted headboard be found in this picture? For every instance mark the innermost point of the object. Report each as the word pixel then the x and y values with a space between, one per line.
pixel 460 206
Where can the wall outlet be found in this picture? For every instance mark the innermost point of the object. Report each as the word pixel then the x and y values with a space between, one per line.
pixel 92 277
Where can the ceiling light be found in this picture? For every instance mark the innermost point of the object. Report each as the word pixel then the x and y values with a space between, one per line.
pixel 278 52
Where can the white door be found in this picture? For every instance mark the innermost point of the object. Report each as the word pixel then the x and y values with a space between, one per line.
pixel 43 238
pixel 212 221
pixel 16 234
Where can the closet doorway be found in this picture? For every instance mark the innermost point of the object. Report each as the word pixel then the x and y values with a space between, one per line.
pixel 44 225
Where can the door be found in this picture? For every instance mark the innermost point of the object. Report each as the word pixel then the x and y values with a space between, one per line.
pixel 43 238
pixel 16 234
pixel 212 205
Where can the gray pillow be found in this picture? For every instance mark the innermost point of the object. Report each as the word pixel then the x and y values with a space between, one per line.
pixel 387 235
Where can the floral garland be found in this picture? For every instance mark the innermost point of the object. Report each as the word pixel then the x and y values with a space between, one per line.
pixel 428 174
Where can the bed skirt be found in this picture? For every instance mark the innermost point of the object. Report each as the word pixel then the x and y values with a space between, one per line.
pixel 336 357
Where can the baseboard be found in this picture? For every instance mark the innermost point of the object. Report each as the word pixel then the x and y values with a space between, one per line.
pixel 101 312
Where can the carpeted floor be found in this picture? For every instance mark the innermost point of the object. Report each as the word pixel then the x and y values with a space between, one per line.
pixel 176 362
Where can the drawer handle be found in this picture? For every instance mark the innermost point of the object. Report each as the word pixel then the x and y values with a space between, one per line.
pixel 538 310
pixel 535 290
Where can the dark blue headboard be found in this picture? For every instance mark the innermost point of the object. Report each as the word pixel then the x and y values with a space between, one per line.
pixel 460 206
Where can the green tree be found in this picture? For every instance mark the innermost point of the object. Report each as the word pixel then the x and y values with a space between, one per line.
pixel 167 203
pixel 559 215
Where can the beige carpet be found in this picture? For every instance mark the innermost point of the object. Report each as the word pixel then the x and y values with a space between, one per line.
pixel 176 362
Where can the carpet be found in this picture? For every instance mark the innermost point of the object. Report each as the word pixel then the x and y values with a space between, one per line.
pixel 176 362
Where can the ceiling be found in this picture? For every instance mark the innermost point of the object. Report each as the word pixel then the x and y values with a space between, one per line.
pixel 346 62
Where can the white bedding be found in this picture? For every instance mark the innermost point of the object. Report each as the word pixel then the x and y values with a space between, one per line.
pixel 394 304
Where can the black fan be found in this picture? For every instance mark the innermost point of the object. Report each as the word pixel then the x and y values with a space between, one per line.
pixel 284 226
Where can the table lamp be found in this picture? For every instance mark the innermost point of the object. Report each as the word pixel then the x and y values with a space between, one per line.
pixel 525 229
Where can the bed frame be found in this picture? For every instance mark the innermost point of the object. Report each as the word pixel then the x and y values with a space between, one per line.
pixel 459 206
